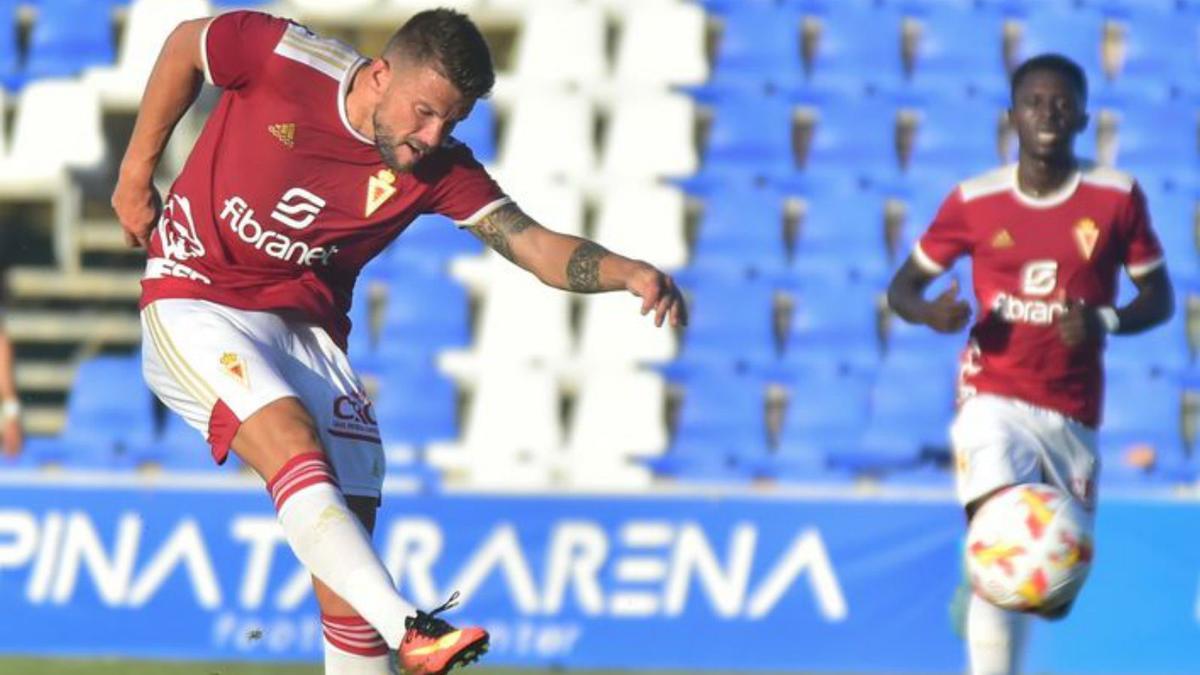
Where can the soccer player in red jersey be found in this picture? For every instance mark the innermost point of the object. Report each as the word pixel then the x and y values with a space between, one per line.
pixel 1047 237
pixel 313 160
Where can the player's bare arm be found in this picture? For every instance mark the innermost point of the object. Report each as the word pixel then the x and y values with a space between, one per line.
pixel 906 296
pixel 1154 304
pixel 579 265
pixel 10 410
pixel 172 88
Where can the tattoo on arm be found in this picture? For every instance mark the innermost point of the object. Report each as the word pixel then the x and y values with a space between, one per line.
pixel 496 228
pixel 583 269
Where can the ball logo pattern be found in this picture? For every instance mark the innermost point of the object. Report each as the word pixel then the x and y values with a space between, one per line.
pixel 1029 548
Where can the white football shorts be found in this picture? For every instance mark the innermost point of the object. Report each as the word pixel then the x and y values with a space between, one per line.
pixel 216 366
pixel 1001 441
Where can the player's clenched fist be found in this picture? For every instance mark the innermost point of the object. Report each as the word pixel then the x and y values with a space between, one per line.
pixel 947 313
pixel 138 206
pixel 659 293
pixel 1078 324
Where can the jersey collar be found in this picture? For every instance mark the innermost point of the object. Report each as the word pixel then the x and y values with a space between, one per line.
pixel 1053 199
pixel 343 90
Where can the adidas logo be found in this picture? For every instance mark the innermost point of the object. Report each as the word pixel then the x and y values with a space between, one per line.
pixel 1002 240
pixel 284 133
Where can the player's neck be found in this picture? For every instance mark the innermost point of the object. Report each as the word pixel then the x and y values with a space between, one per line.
pixel 1038 177
pixel 359 105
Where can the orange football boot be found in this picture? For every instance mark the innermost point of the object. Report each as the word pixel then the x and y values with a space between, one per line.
pixel 434 647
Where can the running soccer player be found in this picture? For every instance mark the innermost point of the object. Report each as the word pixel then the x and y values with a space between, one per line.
pixel 1047 237
pixel 313 160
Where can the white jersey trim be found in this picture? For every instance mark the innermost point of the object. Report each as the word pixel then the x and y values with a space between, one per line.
pixel 926 263
pixel 204 51
pixel 324 54
pixel 1142 269
pixel 990 183
pixel 343 90
pixel 1051 200
pixel 1102 176
pixel 487 210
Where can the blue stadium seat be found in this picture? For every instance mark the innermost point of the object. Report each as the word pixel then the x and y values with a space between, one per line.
pixel 721 419
pixel 824 419
pixel 857 49
pixel 847 231
pixel 422 312
pixel 1164 348
pixel 760 44
pixel 751 135
pixel 730 325
pixel 1173 215
pixel 741 229
pixel 68 36
pixel 1160 46
pixel 430 240
pixel 414 406
pixel 1141 433
pixel 1155 134
pixel 835 321
pixel 1076 34
pixel 854 133
pixel 478 131
pixel 912 406
pixel 959 50
pixel 10 54
pixel 179 447
pixel 956 136
pixel 101 428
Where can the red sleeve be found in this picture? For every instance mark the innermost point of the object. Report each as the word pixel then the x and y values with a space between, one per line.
pixel 947 238
pixel 1143 252
pixel 236 44
pixel 462 189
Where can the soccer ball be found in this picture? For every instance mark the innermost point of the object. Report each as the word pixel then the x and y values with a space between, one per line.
pixel 1029 548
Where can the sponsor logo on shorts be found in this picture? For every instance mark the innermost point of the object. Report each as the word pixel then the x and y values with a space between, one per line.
pixel 238 215
pixel 354 418
pixel 235 367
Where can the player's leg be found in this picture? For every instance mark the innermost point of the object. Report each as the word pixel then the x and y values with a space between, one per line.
pixel 352 646
pixel 281 442
pixel 992 452
pixel 1071 463
pixel 217 367
pixel 349 433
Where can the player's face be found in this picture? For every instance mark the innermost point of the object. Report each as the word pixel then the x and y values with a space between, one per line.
pixel 417 112
pixel 1047 113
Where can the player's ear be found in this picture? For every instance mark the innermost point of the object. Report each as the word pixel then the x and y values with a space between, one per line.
pixel 381 74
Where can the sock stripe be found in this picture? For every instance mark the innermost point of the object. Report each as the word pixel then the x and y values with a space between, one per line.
pixel 298 473
pixel 352 634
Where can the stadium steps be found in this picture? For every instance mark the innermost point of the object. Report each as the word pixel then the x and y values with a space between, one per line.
pixel 37 283
pixel 44 376
pixel 43 420
pixel 97 328
pixel 103 236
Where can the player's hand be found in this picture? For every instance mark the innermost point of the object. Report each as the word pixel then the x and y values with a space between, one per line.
pixel 659 293
pixel 138 206
pixel 947 313
pixel 1078 324
pixel 14 437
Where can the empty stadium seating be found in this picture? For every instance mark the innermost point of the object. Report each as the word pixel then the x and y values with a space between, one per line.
pixel 782 171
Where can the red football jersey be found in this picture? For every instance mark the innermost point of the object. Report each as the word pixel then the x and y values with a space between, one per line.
pixel 1030 258
pixel 282 202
